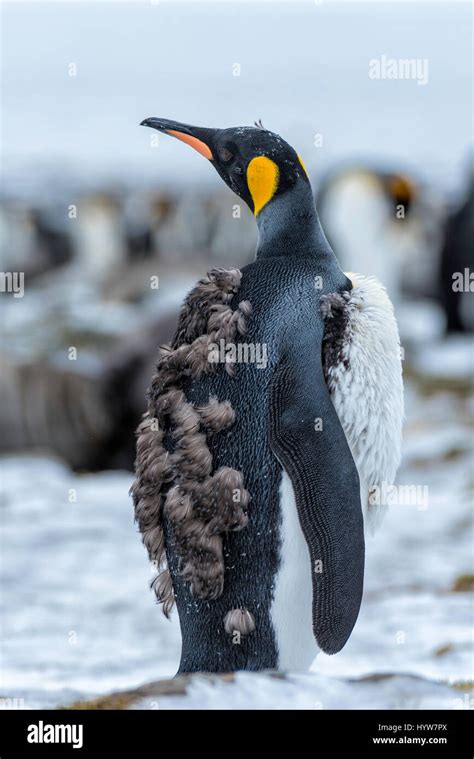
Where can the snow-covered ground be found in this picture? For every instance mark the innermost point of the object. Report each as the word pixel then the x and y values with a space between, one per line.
pixel 310 691
pixel 78 620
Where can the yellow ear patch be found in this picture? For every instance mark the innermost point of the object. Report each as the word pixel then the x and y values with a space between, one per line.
pixel 262 181
pixel 302 165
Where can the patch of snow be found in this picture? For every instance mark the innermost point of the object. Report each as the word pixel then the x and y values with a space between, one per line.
pixel 316 692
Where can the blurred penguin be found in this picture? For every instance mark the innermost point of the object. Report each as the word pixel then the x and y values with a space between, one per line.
pixel 86 415
pixel 457 259
pixel 378 221
pixel 99 238
pixel 33 240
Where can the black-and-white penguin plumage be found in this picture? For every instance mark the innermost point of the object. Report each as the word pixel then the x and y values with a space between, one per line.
pixel 249 476
pixel 361 350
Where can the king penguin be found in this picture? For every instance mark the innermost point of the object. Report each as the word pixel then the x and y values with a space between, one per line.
pixel 274 418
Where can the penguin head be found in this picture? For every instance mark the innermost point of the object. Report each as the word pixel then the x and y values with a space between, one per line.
pixel 256 164
pixel 399 191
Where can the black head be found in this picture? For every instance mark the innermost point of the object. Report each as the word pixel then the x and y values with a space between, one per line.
pixel 255 163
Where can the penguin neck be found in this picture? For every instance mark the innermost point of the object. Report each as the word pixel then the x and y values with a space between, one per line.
pixel 289 225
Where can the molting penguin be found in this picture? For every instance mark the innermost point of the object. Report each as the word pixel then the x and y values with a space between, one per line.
pixel 273 417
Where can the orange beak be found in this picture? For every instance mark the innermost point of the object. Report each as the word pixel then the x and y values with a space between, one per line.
pixel 199 138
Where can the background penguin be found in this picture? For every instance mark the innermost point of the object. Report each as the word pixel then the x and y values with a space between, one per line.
pixel 253 480
pixel 386 223
pixel 457 257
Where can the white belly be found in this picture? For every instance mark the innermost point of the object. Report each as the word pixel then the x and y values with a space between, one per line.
pixel 291 611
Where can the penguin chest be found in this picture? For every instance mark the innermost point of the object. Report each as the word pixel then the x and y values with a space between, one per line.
pixel 291 610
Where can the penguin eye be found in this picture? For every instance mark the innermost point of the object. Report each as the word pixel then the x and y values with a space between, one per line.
pixel 225 154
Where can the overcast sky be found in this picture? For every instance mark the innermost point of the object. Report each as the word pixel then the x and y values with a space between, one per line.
pixel 304 70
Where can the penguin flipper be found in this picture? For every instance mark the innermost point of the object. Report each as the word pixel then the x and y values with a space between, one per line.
pixel 363 370
pixel 309 442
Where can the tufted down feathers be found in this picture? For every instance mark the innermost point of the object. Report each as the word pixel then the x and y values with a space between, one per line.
pixel 177 481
